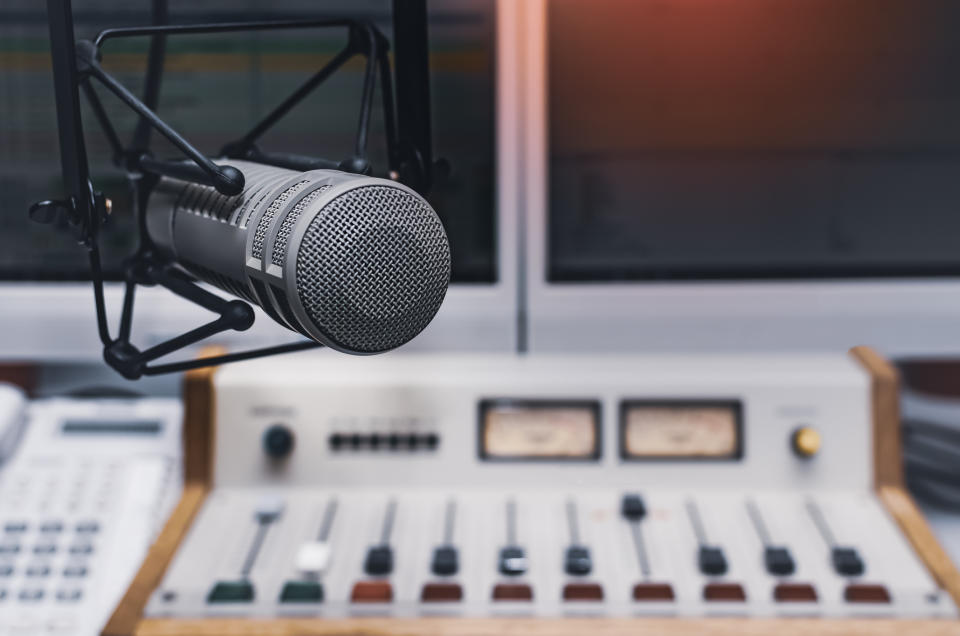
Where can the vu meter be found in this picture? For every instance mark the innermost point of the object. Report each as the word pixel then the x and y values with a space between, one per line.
pixel 693 430
pixel 550 430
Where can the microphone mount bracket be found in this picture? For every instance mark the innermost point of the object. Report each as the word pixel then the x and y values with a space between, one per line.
pixel 77 67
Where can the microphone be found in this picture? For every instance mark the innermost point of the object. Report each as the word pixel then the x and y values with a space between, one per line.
pixel 356 263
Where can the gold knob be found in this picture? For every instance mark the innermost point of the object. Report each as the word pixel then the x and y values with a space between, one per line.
pixel 806 441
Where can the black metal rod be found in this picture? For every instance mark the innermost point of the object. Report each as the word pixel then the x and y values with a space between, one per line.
pixel 108 130
pixel 389 113
pixel 218 27
pixel 126 317
pixel 289 160
pixel 366 100
pixel 187 365
pixel 274 116
pixel 226 179
pixel 411 55
pixel 73 153
pixel 184 170
pixel 185 288
pixel 186 339
pixel 142 185
pixel 96 273
pixel 151 85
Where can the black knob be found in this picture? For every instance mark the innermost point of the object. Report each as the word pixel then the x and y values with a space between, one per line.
pixel 278 441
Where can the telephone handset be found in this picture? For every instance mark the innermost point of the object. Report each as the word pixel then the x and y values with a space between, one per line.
pixel 13 419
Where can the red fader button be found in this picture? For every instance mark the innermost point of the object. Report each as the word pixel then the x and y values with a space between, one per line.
pixel 582 592
pixel 652 592
pixel 372 592
pixel 724 592
pixel 512 592
pixel 794 593
pixel 441 593
pixel 866 593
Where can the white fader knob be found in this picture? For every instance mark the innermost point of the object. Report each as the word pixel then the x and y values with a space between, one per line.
pixel 269 509
pixel 313 558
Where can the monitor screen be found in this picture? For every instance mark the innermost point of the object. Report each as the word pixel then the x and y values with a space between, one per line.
pixel 215 88
pixel 697 139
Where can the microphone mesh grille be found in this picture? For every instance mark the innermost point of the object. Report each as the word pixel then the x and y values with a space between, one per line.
pixel 278 255
pixel 373 268
pixel 267 218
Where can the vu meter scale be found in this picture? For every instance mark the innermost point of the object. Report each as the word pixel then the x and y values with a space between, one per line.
pixel 498 520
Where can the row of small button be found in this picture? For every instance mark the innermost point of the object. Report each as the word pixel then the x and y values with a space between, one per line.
pixel 46 548
pixel 70 571
pixel 52 527
pixel 382 592
pixel 384 441
pixel 36 594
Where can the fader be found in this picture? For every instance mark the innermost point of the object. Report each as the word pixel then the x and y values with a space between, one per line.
pixel 616 489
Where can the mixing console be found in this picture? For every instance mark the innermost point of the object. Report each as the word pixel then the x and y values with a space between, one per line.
pixel 546 553
pixel 472 487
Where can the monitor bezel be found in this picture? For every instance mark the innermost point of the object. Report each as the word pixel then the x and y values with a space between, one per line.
pixel 898 315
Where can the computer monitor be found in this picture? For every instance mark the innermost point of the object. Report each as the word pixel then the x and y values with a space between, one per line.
pixel 742 175
pixel 214 88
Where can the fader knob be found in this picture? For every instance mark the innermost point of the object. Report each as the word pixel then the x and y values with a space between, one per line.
pixel 278 441
pixel 632 507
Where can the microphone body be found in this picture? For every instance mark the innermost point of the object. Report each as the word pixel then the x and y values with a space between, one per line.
pixel 357 263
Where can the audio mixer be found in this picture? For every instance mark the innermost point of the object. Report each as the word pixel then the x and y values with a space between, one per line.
pixel 463 494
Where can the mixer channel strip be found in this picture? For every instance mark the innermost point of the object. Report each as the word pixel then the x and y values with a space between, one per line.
pixel 444 563
pixel 577 561
pixel 312 562
pixel 778 562
pixel 712 562
pixel 241 590
pixel 378 563
pixel 847 562
pixel 512 562
pixel 634 511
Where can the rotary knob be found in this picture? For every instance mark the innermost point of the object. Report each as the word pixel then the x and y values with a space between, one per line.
pixel 806 442
pixel 278 441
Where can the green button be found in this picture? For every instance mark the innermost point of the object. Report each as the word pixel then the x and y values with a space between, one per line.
pixel 231 592
pixel 301 592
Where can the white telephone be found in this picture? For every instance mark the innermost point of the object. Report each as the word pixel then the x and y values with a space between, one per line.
pixel 82 495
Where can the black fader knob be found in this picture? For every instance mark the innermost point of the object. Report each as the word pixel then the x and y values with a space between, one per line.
pixel 577 561
pixel 778 561
pixel 278 441
pixel 633 508
pixel 445 561
pixel 711 561
pixel 846 561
